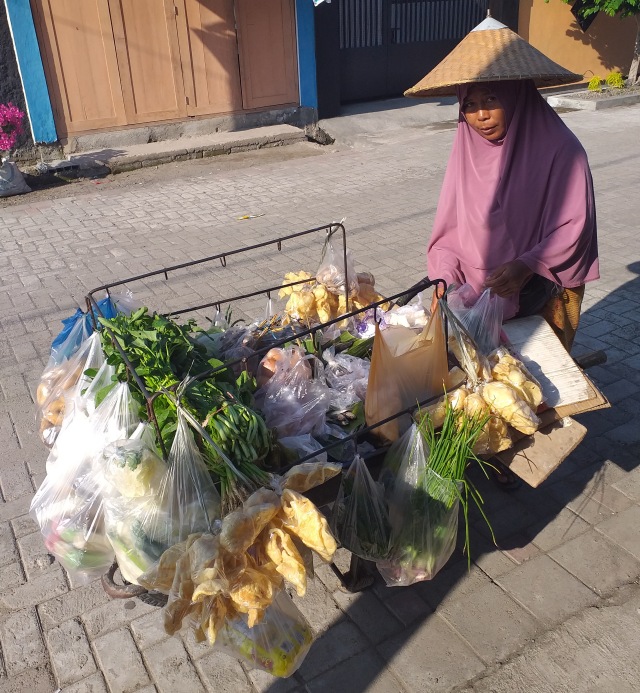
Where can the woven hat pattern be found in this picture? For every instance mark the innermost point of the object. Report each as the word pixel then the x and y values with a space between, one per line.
pixel 489 56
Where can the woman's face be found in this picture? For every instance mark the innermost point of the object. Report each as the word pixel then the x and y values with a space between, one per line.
pixel 484 113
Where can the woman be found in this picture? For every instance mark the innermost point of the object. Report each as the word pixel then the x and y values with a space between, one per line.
pixel 516 213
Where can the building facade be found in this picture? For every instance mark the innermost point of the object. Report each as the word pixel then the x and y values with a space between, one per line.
pixel 101 65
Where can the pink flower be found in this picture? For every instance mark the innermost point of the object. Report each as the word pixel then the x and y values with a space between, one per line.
pixel 11 118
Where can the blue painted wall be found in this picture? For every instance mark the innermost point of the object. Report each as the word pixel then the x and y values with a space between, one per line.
pixel 306 53
pixel 31 71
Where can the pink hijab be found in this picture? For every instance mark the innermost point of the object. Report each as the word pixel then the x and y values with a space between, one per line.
pixel 528 196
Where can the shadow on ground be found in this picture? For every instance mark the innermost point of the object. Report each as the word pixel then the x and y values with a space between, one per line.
pixel 519 519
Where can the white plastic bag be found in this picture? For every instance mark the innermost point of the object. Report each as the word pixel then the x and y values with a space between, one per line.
pixel 11 180
pixel 331 272
pixel 481 316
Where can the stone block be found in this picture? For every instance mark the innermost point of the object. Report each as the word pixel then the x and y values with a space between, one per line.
pixel 70 652
pixel 8 550
pixel 92 684
pixel 149 629
pixel 452 584
pixel 364 672
pixel 24 525
pixel 36 560
pixel 421 657
pixel 36 680
pixel 546 590
pixel 597 562
pixel 36 591
pixel 369 614
pixel 11 575
pixel 623 529
pixel 74 603
pixel 407 606
pixel 112 615
pixel 171 668
pixel 557 530
pixel 264 682
pixel 11 509
pixel 340 642
pixel 317 607
pixel 492 623
pixel 120 661
pixel 22 645
pixel 222 673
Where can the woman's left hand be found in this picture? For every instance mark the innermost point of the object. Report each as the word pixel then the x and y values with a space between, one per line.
pixel 509 278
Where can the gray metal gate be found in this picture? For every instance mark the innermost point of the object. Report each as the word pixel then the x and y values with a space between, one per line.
pixel 388 45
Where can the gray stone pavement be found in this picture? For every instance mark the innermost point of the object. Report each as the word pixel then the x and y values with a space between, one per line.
pixel 555 609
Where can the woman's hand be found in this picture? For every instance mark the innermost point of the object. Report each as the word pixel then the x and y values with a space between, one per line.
pixel 509 278
pixel 438 292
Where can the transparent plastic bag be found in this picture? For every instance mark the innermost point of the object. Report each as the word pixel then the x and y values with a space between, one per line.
pixel 186 502
pixel 292 400
pixel 331 272
pixel 68 506
pixel 297 447
pixel 360 519
pixel 481 316
pixel 423 511
pixel 406 368
pixel 277 645
pixel 348 376
pixel 61 385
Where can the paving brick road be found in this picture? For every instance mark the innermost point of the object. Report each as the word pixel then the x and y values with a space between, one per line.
pixel 556 609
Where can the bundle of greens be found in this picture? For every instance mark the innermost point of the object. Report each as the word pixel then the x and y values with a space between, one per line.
pixel 165 354
pixel 429 487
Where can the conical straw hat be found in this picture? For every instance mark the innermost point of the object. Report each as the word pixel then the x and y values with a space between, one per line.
pixel 489 53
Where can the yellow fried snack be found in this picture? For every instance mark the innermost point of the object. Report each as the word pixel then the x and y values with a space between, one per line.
pixel 367 295
pixel 302 306
pixel 241 527
pixel 301 517
pixel 290 277
pixel 308 475
pixel 253 590
pixel 280 548
pixel 505 402
pixel 261 497
pixel 180 597
pixel 214 614
pixel 160 576
pixel 499 438
pixel 324 306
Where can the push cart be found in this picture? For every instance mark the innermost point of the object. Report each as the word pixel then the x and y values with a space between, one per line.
pixel 359 575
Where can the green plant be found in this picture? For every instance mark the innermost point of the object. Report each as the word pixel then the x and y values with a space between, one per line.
pixel 615 80
pixel 595 84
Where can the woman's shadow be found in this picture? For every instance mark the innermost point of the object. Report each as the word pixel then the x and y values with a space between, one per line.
pixel 526 522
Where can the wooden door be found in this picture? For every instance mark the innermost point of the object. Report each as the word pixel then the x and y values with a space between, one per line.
pixel 80 64
pixel 267 43
pixel 208 38
pixel 149 59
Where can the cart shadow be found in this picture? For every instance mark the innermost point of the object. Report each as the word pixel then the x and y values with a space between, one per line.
pixel 527 523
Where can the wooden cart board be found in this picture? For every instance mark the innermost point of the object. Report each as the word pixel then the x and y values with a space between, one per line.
pixel 567 391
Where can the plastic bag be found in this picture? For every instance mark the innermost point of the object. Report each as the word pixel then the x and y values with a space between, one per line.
pixel 11 180
pixel 348 377
pixel 360 519
pixel 297 447
pixel 293 401
pixel 406 368
pixel 62 384
pixel 133 474
pixel 423 511
pixel 68 506
pixel 331 272
pixel 481 316
pixel 186 502
pixel 277 645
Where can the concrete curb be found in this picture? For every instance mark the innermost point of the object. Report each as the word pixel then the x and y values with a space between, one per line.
pixel 158 153
pixel 573 101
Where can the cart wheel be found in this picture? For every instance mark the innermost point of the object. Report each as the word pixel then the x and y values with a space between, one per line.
pixel 154 598
pixel 116 591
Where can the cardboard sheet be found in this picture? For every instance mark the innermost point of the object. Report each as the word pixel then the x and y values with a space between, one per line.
pixel 562 381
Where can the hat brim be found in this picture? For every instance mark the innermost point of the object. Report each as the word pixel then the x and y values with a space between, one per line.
pixel 492 55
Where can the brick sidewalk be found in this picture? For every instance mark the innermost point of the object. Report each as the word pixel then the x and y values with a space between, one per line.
pixel 566 546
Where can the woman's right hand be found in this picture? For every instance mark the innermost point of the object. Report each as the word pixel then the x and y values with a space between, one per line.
pixel 438 292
